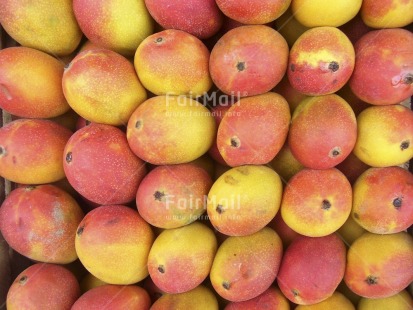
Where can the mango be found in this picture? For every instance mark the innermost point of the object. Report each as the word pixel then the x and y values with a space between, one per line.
pixel 387 14
pixel 285 164
pixel 384 136
pixel 270 299
pixel 244 199
pixel 373 261
pixel 352 167
pixel 289 27
pixel 293 96
pixel 116 27
pixel 316 203
pixel 89 281
pixel 245 267
pixel 173 62
pixel 89 82
pixel 312 269
pixel 284 231
pixel 47 26
pixel 180 259
pixel 113 244
pixel 167 130
pixel 350 231
pixel 40 222
pixel 113 297
pixel 400 301
pixel 43 286
pixel 31 151
pixel 335 301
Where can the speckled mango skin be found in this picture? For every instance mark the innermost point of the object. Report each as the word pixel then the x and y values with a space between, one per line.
pixel 245 267
pixel 113 244
pixel 323 131
pixel 312 269
pixel 321 61
pixel 257 142
pixel 200 298
pixel 316 13
pixel 373 260
pixel 116 27
pixel 31 83
pixel 40 222
pixel 302 205
pixel 43 286
pixel 167 130
pixel 173 62
pixel 270 299
pixel 244 199
pixel 182 191
pixel 400 301
pixel 335 301
pixel 285 164
pixel 102 87
pixel 114 297
pixel 383 200
pixel 31 151
pixel 383 73
pixel 387 13
pixel 47 26
pixel 248 60
pixel 257 12
pixel 384 135
pixel 100 165
pixel 201 18
pixel 180 259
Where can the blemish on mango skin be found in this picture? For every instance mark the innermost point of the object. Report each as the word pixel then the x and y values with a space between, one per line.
pixel 229 179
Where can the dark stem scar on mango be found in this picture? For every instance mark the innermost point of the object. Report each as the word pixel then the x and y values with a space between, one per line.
pixel 80 230
pixel 325 205
pixel 138 124
pixel 334 152
pixel 356 215
pixel 220 209
pixel 23 280
pixel 333 66
pixel 397 203
pixel 241 66
pixel 3 151
pixel 226 285
pixel 69 157
pixel 235 142
pixel 408 79
pixel 159 40
pixel 295 293
pixel 372 280
pixel 404 145
pixel 29 188
pixel 161 268
pixel 159 195
pixel 292 67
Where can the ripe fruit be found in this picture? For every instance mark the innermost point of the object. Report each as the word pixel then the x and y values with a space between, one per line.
pixel 113 244
pixel 270 299
pixel 173 62
pixel 402 300
pixel 240 60
pixel 387 14
pixel 335 301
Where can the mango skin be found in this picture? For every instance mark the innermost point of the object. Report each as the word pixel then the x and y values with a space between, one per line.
pixel 200 18
pixel 323 131
pixel 244 199
pixel 383 74
pixel 373 260
pixel 316 203
pixel 42 25
pixel 248 12
pixel 327 15
pixel 167 130
pixel 245 267
pixel 387 14
pixel 88 282
pixel 40 223
pixel 312 269
pixel 289 27
pixel 383 200
pixel 29 289
pixel 321 61
pixel 102 87
pixel 335 301
pixel 350 231
pixel 285 164
pixel 114 297
pixel 173 62
pixel 180 259
pixel 200 298
pixel 240 60
pixel 400 301
pixel 113 244
pixel 270 299
pixel 23 70
pixel 120 28
pixel 182 189
pixel 110 176
pixel 384 136
pixel 242 141
pixel 31 151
